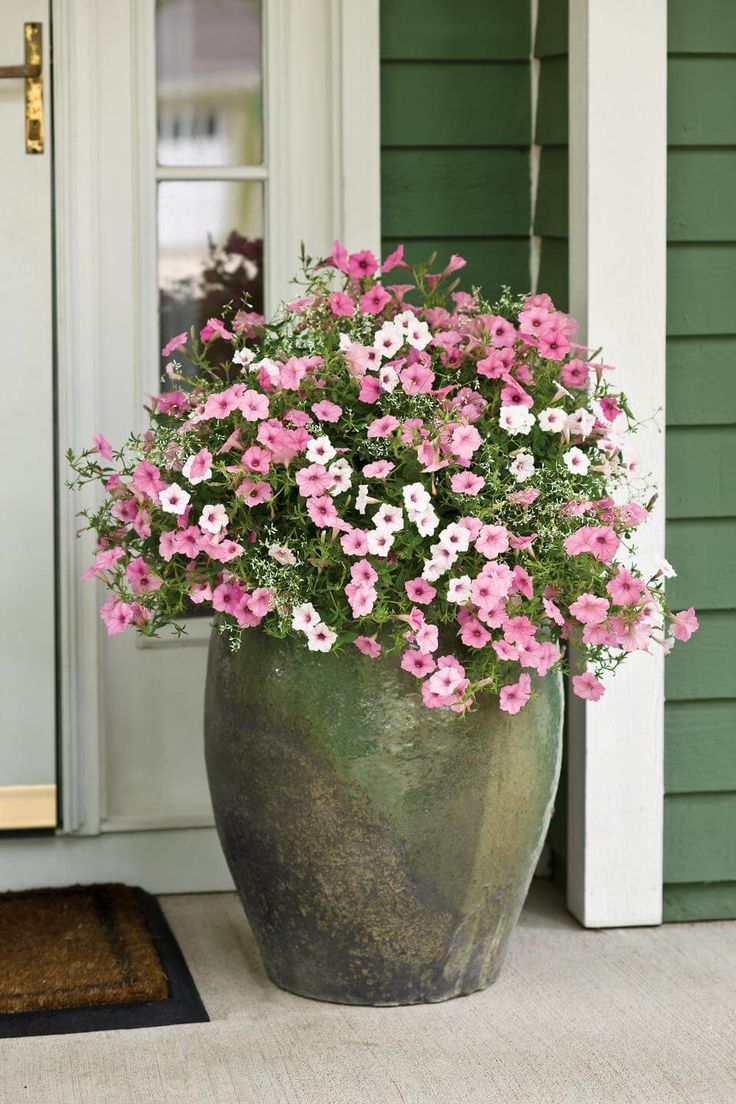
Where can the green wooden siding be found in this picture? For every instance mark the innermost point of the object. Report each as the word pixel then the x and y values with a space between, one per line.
pixel 456 135
pixel 700 712
pixel 550 213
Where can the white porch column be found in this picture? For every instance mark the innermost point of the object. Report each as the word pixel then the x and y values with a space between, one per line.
pixel 618 197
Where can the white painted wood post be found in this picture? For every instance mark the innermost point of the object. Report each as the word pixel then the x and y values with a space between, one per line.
pixel 618 201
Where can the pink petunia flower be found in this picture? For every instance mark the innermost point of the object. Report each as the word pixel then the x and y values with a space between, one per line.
pixel 684 624
pixel 587 686
pixel 354 542
pixel 341 305
pixel 381 427
pixel 103 446
pixel 625 589
pixel 361 264
pixel 368 646
pixel 326 411
pixel 419 590
pixel 313 480
pixel 373 301
pixel 589 610
pixel 321 510
pixel 379 469
pixel 515 696
pixel 467 483
pixel 473 635
pixel 417 663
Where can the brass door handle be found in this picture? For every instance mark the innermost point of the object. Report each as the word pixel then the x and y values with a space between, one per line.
pixel 32 72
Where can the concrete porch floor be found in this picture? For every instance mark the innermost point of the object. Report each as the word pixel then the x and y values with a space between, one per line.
pixel 612 1017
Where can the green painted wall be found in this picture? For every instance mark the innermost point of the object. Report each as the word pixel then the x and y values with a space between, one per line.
pixel 550 212
pixel 700 722
pixel 455 134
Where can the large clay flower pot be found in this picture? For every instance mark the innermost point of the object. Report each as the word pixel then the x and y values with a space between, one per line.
pixel 382 850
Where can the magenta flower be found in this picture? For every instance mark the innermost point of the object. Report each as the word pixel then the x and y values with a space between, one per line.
pixel 362 264
pixel 473 635
pixel 373 301
pixel 575 373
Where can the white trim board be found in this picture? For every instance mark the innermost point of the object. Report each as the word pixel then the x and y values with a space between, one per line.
pixel 618 203
pixel 182 860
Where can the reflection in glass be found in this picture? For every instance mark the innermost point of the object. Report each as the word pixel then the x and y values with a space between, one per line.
pixel 210 252
pixel 209 82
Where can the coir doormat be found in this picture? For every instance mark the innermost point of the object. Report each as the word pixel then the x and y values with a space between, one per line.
pixel 90 958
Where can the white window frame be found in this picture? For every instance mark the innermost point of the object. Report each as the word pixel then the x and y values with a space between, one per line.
pixel 618 208
pixel 323 162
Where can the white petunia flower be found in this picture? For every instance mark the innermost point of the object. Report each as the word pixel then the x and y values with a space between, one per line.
pixel 379 542
pixel 432 571
pixel 418 335
pixel 174 500
pixel 576 461
pixel 213 518
pixel 664 568
pixel 282 554
pixel 345 342
pixel 388 378
pixel 581 422
pixel 443 556
pixel 320 450
pixel 388 340
pixel 320 638
pixel 362 501
pixel 459 589
pixel 552 420
pixel 417 500
pixel 186 471
pixel 516 419
pixel 426 522
pixel 341 473
pixel 305 617
pixel 455 537
pixel 390 518
pixel 522 467
pixel 243 357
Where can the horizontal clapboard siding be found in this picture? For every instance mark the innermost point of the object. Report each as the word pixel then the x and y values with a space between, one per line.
pixel 550 212
pixel 456 136
pixel 700 714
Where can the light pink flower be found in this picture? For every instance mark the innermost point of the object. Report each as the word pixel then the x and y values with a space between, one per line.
pixel 684 624
pixel 427 638
pixel 174 343
pixel 254 406
pixel 256 459
pixel 419 590
pixel 589 610
pixel 313 480
pixel 321 510
pixel 368 646
pixel 103 446
pixel 381 427
pixel 379 469
pixel 326 411
pixel 587 686
pixel 417 663
pixel 198 467
pixel 341 305
pixel 492 541
pixel 254 493
pixel 466 483
pixel 465 441
pixel 473 635
pixel 354 542
pixel 625 589
pixel 174 499
pixel 213 518
pixel 515 696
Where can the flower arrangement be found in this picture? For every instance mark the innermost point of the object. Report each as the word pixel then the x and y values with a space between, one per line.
pixel 398 467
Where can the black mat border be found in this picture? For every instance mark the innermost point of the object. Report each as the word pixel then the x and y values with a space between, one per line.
pixel 183 1005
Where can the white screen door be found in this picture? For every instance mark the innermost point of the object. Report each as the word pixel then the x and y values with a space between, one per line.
pixel 27 629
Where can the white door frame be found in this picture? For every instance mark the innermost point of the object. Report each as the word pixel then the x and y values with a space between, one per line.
pixel 323 141
pixel 618 208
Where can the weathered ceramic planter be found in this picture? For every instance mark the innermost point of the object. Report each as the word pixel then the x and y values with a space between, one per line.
pixel 382 851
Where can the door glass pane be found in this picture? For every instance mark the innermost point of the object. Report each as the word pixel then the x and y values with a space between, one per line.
pixel 210 252
pixel 209 80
